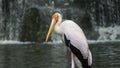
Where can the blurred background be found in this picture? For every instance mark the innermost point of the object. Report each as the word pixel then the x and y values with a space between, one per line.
pixel 24 24
pixel 28 20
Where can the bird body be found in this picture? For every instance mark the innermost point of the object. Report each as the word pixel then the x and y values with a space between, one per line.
pixel 74 38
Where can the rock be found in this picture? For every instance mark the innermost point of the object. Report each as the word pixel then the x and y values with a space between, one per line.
pixel 31 25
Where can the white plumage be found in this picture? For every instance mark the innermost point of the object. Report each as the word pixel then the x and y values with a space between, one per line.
pixel 76 36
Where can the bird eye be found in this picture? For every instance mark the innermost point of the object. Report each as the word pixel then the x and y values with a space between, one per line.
pixel 55 15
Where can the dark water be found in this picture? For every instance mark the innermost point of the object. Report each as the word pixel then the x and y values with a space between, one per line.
pixel 55 56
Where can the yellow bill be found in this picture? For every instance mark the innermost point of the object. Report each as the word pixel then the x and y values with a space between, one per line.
pixel 50 29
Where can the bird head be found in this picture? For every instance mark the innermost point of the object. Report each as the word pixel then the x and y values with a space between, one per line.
pixel 53 23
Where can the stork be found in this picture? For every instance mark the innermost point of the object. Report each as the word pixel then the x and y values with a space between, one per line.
pixel 74 38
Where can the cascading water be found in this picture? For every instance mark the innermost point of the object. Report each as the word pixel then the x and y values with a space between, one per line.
pixel 12 12
pixel 1 34
pixel 20 19
pixel 27 19
pixel 109 33
pixel 105 16
pixel 16 15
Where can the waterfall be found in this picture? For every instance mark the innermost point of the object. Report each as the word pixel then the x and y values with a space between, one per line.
pixel 12 14
pixel 105 17
pixel 1 34
pixel 16 15
pixel 109 33
pixel 28 20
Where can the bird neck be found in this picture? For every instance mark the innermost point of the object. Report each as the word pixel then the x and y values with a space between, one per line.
pixel 59 20
pixel 58 27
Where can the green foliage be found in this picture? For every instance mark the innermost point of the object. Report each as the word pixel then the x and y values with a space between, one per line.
pixel 38 35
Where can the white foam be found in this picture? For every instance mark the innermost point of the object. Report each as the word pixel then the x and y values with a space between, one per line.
pixel 102 41
pixel 57 42
pixel 109 33
pixel 14 42
pixel 89 42
pixel 53 42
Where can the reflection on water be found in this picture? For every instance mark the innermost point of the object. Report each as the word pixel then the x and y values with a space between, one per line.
pixel 55 56
pixel 34 56
pixel 106 56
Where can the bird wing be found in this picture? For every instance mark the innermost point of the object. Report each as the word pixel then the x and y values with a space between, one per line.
pixel 90 58
pixel 76 36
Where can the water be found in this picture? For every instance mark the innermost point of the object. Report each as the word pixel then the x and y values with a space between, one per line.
pixel 105 55
pixel 33 56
